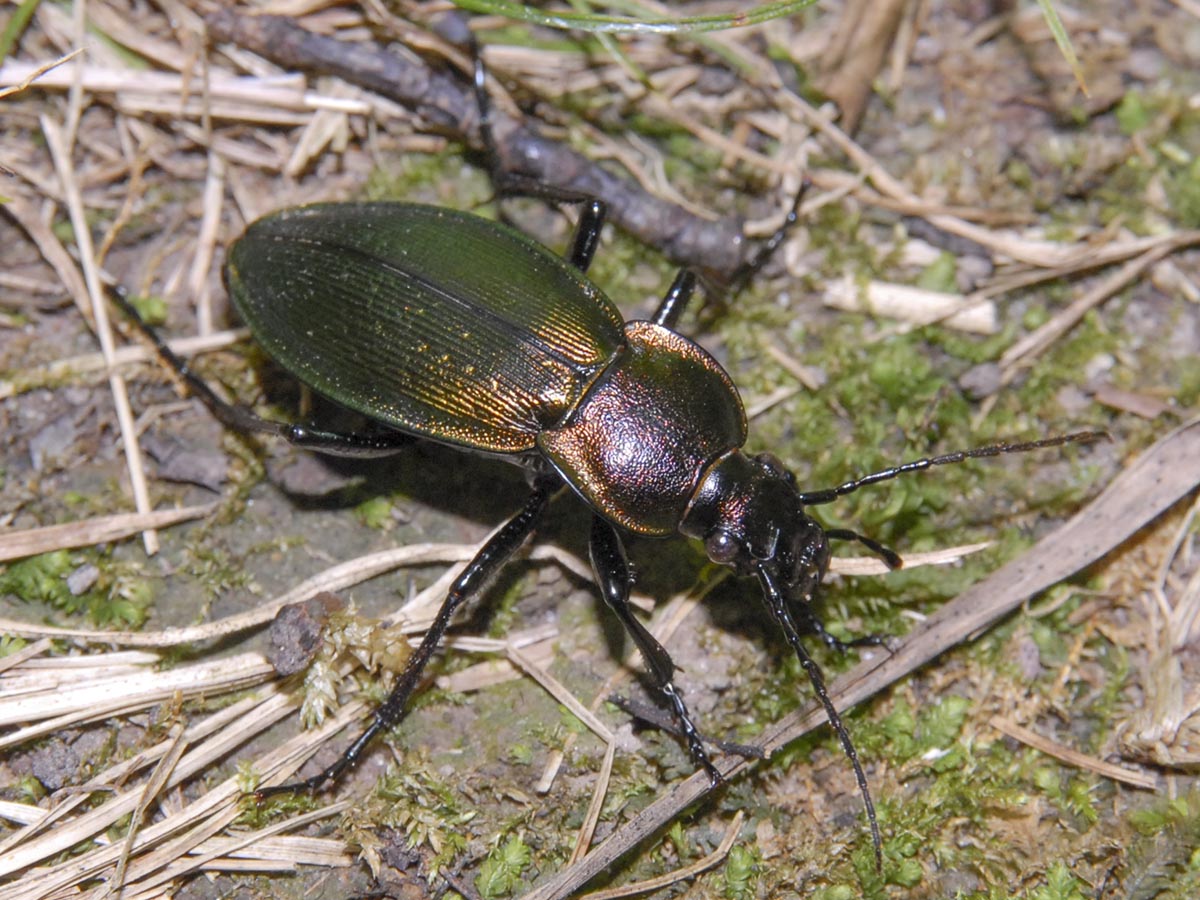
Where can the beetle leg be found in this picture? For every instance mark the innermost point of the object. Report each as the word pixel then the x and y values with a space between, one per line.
pixel 587 233
pixel 612 574
pixel 781 612
pixel 676 300
pixel 591 219
pixel 766 249
pixel 243 420
pixel 487 562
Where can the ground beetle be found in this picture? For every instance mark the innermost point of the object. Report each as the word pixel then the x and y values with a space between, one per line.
pixel 463 331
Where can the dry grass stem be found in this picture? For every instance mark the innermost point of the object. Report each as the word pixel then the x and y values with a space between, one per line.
pixel 1036 342
pixel 1074 757
pixel 122 356
pixel 1165 729
pixel 686 873
pixel 276 100
pixel 917 306
pixel 88 532
pixel 60 152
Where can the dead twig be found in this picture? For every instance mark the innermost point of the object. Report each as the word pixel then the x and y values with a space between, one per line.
pixel 447 106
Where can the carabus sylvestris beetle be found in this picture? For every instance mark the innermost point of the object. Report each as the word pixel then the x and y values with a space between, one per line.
pixel 464 331
pixel 461 330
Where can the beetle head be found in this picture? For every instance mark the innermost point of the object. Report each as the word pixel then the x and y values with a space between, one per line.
pixel 748 513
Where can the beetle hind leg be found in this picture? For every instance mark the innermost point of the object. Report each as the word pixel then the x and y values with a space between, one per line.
pixel 514 184
pixel 612 574
pixel 244 421
pixel 474 578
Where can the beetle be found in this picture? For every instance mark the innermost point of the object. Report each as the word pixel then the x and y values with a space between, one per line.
pixel 461 330
pixel 464 331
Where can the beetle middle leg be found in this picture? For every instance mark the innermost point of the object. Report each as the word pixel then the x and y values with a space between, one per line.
pixel 470 582
pixel 612 574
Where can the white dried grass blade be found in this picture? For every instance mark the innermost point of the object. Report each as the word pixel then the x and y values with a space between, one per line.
pixel 1073 757
pixel 587 831
pixel 1044 254
pixel 653 884
pixel 870 565
pixel 333 579
pixel 559 692
pixel 494 671
pixel 284 92
pixel 60 672
pixel 26 655
pixel 1043 337
pixel 128 691
pixel 293 850
pixel 122 356
pixel 95 822
pixel 60 152
pixel 21 813
pixel 87 532
pixel 181 864
pixel 914 305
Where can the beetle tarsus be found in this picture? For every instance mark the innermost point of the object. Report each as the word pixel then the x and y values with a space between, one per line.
pixel 653 715
pixel 808 622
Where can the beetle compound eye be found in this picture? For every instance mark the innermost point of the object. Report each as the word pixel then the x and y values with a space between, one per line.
pixel 721 547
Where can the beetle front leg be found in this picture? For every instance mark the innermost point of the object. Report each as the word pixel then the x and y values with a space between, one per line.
pixel 612 574
pixel 478 572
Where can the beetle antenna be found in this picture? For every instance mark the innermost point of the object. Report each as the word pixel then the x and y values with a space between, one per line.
pixel 814 498
pixel 777 605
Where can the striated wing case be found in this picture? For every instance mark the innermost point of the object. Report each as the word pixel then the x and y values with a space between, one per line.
pixel 433 321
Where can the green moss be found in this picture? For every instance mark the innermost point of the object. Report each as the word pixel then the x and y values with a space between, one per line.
pixel 118 595
pixel 419 803
pixel 375 512
pixel 1061 884
pixel 940 275
pixel 1131 113
pixel 1184 193
pixel 501 871
pixel 741 873
pixel 151 308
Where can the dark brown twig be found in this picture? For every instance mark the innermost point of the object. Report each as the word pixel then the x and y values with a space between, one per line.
pixel 445 102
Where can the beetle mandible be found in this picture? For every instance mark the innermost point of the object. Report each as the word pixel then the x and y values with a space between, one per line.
pixel 463 331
